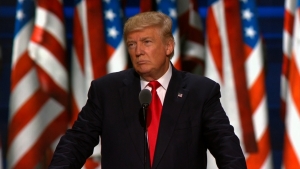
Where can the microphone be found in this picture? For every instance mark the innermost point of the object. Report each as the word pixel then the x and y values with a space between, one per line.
pixel 145 97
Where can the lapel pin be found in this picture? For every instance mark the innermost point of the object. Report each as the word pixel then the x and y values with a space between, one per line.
pixel 179 94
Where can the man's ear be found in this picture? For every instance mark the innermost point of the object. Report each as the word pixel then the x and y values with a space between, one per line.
pixel 170 47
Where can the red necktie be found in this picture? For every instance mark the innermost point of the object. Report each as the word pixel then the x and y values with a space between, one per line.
pixel 153 118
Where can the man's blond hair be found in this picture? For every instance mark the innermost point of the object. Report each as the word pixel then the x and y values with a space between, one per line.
pixel 150 19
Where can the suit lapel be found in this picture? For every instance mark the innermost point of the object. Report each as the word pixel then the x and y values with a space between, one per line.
pixel 174 100
pixel 133 112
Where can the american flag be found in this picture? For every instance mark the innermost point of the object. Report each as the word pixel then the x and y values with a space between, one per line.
pixel 191 36
pixel 98 49
pixel 169 7
pixel 115 45
pixel 290 82
pixel 39 87
pixel 88 53
pixel 88 59
pixel 225 63
pixel 256 87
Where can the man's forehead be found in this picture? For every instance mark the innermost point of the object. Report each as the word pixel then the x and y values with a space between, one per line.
pixel 148 32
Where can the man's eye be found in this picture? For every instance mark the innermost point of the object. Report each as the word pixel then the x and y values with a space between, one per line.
pixel 147 41
pixel 130 45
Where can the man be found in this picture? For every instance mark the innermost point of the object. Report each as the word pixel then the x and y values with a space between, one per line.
pixel 191 120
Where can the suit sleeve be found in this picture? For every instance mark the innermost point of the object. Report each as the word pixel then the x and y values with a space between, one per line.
pixel 78 142
pixel 219 134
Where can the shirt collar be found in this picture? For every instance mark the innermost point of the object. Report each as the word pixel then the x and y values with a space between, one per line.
pixel 164 80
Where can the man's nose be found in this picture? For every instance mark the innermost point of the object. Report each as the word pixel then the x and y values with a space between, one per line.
pixel 139 50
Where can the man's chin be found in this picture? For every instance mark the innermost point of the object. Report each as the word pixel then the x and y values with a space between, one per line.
pixel 143 72
pixel 143 69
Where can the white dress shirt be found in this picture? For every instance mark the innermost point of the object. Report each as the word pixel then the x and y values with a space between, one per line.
pixel 164 81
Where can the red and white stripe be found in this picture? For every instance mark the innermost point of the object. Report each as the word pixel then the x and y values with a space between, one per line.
pixel 289 12
pixel 290 81
pixel 258 101
pixel 191 36
pixel 88 58
pixel 225 65
pixel 256 87
pixel 88 53
pixel 92 58
pixel 117 59
pixel 39 88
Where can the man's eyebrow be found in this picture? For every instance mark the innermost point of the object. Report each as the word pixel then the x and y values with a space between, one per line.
pixel 129 40
pixel 146 37
pixel 140 39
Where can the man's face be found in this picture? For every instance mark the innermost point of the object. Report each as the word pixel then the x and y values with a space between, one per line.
pixel 149 53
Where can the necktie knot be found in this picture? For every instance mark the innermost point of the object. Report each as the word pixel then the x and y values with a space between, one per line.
pixel 154 85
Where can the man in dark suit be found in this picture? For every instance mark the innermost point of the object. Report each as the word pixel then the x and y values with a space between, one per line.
pixel 192 119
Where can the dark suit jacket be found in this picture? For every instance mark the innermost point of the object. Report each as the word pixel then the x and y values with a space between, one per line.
pixel 190 124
